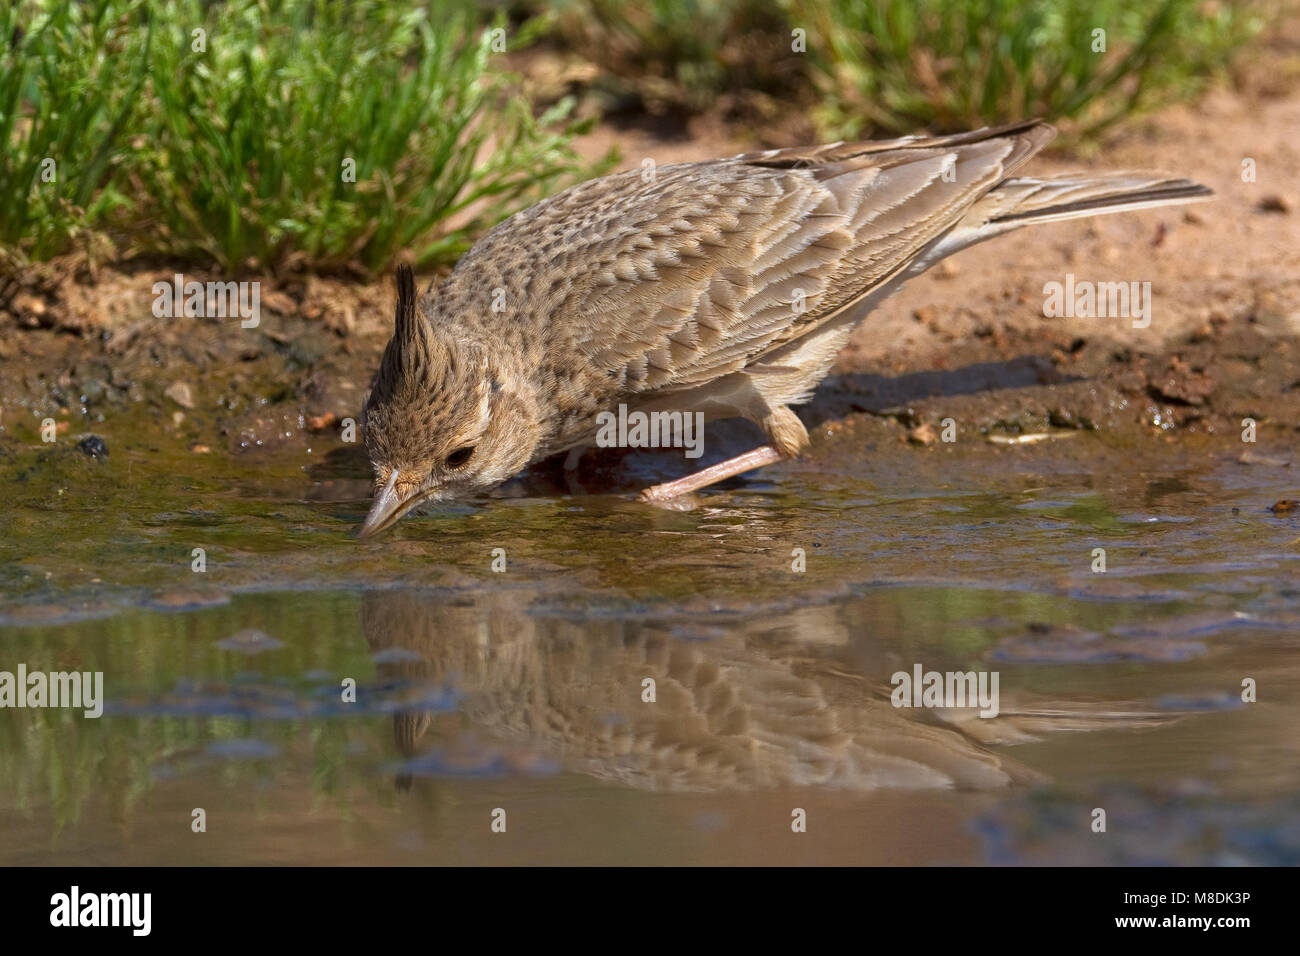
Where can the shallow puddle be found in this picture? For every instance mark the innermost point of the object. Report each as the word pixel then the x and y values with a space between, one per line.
pixel 500 653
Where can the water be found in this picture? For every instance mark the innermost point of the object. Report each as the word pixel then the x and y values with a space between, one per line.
pixel 483 694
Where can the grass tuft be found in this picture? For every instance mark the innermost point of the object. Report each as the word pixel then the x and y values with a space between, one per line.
pixel 255 139
pixel 70 78
pixel 323 135
pixel 269 134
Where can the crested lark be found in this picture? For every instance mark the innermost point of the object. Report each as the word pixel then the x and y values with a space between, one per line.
pixel 724 287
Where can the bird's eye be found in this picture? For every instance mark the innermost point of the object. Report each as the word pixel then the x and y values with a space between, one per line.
pixel 459 457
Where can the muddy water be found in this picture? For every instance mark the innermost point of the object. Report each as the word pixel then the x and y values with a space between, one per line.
pixel 517 694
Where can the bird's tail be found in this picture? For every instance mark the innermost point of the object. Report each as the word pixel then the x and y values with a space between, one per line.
pixel 1026 201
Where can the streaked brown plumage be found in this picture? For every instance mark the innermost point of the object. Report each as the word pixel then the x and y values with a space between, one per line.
pixel 725 287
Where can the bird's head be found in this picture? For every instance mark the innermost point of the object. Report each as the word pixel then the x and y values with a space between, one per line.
pixel 447 415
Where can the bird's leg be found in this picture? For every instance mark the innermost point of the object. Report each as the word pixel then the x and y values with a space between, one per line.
pixel 788 440
pixel 763 455
pixel 571 461
pixel 573 457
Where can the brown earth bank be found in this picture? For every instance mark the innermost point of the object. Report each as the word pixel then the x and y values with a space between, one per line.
pixel 968 342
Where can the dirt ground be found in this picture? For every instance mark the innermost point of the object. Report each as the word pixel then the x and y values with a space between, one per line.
pixel 968 341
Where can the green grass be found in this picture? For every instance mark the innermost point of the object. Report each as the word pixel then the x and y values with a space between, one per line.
pixel 70 78
pixel 900 65
pixel 252 138
pixel 885 66
pixel 234 155
pixel 238 150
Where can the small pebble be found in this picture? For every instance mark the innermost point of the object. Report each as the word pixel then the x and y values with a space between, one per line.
pixel 181 599
pixel 94 446
pixel 1251 458
pixel 923 434
pixel 1274 203
pixel 1029 438
pixel 250 641
pixel 181 394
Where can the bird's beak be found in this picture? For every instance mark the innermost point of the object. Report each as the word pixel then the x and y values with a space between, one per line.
pixel 387 507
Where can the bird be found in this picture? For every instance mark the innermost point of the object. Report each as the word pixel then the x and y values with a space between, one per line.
pixel 724 288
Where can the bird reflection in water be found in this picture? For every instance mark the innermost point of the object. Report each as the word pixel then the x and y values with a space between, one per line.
pixel 785 700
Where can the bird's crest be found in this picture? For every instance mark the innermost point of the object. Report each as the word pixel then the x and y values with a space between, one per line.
pixel 410 353
pixel 406 329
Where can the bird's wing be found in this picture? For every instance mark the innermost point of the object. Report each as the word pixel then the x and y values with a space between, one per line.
pixel 699 269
